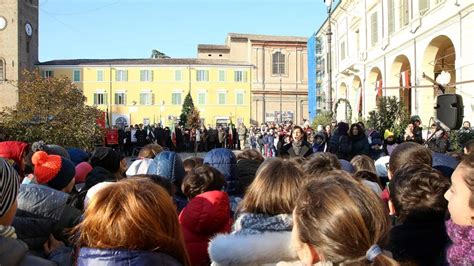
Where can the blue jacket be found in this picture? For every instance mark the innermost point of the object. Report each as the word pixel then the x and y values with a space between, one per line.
pixel 98 257
pixel 225 161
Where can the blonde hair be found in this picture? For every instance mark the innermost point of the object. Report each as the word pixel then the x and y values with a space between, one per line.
pixel 134 214
pixel 274 189
pixel 150 151
pixel 363 163
pixel 342 219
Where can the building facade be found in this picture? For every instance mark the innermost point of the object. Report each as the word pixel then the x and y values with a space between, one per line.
pixel 397 48
pixel 18 45
pixel 151 91
pixel 279 76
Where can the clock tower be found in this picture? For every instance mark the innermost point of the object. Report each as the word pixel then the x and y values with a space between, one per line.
pixel 18 45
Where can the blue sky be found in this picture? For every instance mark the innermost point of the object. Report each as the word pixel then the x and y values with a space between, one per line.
pixel 132 28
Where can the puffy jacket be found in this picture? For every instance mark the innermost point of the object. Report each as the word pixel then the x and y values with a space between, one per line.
pixel 117 257
pixel 168 164
pixel 40 210
pixel 205 215
pixel 225 161
pixel 14 150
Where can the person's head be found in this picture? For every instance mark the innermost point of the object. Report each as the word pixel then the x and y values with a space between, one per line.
pixel 189 164
pixel 250 154
pixel 355 130
pixel 54 171
pixel 469 147
pixel 363 162
pixel 417 189
pixel 408 153
pixel 461 193
pixel 297 133
pixel 142 216
pixel 466 125
pixel 328 128
pixel 327 207
pixel 369 176
pixel 159 180
pixel 333 123
pixel 9 186
pixel 82 170
pixel 321 163
pixel 107 158
pixel 150 151
pixel 389 136
pixel 416 120
pixel 409 128
pixel 202 179
pixel 342 128
pixel 274 189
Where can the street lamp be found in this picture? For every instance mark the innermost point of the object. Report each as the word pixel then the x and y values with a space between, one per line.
pixel 281 91
pixel 329 34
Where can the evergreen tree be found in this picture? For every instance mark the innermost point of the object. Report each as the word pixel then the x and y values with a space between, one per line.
pixel 52 110
pixel 390 114
pixel 193 119
pixel 188 107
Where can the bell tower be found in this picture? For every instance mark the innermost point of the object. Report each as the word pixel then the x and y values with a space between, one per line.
pixel 18 45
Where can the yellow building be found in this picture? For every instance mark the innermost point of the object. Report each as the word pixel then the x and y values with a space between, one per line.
pixel 151 91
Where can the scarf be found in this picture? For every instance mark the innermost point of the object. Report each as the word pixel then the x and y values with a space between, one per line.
pixel 297 146
pixel 462 250
pixel 7 231
pixel 256 223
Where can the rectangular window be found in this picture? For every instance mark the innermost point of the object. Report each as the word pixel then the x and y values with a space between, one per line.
pixel 76 75
pixel 240 76
pixel 176 98
pixel 178 75
pixel 47 73
pixel 100 98
pixel 120 98
pixel 424 6
pixel 391 16
pixel 121 75
pixel 100 75
pixel 343 50
pixel 221 75
pixel 146 75
pixel 146 98
pixel 201 98
pixel 404 12
pixel 239 98
pixel 221 97
pixel 202 75
pixel 278 63
pixel 374 36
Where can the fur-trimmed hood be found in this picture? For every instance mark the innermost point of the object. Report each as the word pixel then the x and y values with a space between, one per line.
pixel 256 249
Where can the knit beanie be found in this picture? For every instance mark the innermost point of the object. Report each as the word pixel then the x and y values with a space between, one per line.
pixel 107 158
pixel 53 170
pixel 51 149
pixel 388 134
pixel 9 184
pixel 82 170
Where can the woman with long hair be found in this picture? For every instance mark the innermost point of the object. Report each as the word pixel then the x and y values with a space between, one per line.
pixel 131 222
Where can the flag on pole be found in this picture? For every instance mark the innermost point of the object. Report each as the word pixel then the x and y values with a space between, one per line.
pixel 378 87
pixel 107 120
pixel 405 77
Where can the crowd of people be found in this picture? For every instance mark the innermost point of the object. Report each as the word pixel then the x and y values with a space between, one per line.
pixel 341 195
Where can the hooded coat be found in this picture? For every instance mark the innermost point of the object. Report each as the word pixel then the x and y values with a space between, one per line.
pixel 205 215
pixel 225 161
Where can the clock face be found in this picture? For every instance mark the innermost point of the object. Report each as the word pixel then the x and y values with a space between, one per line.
pixel 28 29
pixel 3 23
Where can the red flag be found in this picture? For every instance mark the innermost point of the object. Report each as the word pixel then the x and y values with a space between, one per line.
pixel 378 87
pixel 405 76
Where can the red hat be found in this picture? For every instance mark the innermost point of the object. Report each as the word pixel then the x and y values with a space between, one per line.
pixel 53 170
pixel 82 170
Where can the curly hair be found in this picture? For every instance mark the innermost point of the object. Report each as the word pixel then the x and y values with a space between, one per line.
pixel 202 179
pixel 320 163
pixel 417 189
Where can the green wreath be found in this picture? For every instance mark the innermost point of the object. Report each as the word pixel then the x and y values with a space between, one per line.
pixel 348 110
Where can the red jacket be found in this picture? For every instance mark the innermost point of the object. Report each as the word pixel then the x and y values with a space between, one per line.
pixel 14 150
pixel 205 215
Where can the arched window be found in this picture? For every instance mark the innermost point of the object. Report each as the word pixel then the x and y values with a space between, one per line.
pixel 2 70
pixel 278 63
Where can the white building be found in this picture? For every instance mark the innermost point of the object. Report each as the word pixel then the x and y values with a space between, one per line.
pixel 391 43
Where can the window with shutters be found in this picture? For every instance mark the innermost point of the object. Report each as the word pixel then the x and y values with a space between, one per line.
pixel 221 75
pixel 178 75
pixel 146 98
pixel 404 12
pixel 221 97
pixel 120 98
pixel 424 5
pixel 343 50
pixel 100 75
pixel 374 33
pixel 240 76
pixel 176 98
pixel 239 98
pixel 202 75
pixel 100 98
pixel 202 98
pixel 47 73
pixel 278 63
pixel 76 75
pixel 391 16
pixel 146 75
pixel 121 75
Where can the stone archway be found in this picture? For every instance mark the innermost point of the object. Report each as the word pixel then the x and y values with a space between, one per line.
pixel 400 76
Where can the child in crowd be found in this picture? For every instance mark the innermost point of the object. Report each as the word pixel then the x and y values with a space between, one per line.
pixel 131 222
pixel 461 207
pixel 262 232
pixel 337 220
pixel 207 212
pixel 320 163
pixel 419 237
